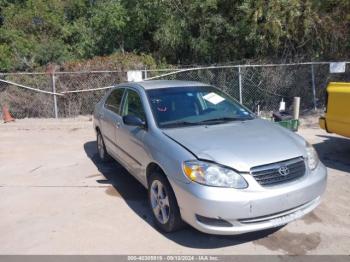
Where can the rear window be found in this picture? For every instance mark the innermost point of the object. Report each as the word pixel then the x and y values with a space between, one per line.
pixel 113 101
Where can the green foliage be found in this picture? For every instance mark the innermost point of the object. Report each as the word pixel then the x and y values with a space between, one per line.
pixel 5 57
pixel 37 32
pixel 30 29
pixel 211 31
pixel 108 23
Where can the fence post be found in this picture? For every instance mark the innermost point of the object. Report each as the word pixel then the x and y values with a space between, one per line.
pixel 240 84
pixel 145 73
pixel 53 83
pixel 296 107
pixel 313 86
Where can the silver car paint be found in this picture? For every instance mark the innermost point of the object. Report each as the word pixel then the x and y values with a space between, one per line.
pixel 258 142
pixel 240 145
pixel 255 201
pixel 158 148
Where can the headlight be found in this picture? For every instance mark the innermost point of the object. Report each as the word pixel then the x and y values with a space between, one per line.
pixel 213 175
pixel 312 158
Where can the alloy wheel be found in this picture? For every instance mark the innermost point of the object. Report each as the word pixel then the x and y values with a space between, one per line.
pixel 160 202
pixel 100 147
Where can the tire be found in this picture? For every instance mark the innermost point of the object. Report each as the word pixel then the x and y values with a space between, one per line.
pixel 101 148
pixel 163 204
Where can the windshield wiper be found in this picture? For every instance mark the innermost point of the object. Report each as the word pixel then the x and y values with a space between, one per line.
pixel 224 119
pixel 180 123
pixel 205 122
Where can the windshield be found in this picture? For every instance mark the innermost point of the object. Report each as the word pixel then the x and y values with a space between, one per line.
pixel 195 105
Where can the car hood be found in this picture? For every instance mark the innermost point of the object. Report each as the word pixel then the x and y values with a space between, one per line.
pixel 240 145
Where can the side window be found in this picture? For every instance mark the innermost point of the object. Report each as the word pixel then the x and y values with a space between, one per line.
pixel 114 100
pixel 133 105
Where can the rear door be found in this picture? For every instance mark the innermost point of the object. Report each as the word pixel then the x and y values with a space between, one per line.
pixel 110 121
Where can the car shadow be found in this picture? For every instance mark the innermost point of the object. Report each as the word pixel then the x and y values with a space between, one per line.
pixel 135 196
pixel 334 152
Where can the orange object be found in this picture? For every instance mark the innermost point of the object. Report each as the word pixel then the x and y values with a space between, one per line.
pixel 6 115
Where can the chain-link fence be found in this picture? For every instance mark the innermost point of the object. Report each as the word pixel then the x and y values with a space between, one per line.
pixel 264 86
pixel 83 90
pixel 69 94
pixel 62 94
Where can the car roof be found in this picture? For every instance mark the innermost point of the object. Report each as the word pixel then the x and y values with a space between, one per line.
pixel 157 84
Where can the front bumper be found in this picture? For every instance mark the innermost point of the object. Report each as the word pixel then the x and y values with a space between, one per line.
pixel 252 209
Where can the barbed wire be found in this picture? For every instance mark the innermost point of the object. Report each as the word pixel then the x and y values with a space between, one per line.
pixel 30 88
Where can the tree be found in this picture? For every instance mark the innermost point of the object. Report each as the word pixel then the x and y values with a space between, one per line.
pixel 30 29
pixel 37 32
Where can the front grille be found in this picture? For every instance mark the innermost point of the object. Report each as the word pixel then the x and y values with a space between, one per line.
pixel 279 172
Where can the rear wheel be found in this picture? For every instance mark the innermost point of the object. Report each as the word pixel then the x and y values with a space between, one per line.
pixel 101 148
pixel 163 203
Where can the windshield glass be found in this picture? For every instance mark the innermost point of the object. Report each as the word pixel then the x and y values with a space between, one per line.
pixel 195 105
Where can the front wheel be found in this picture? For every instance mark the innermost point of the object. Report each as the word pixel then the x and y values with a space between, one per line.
pixel 163 203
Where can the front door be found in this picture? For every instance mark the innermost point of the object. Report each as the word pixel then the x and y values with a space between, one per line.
pixel 130 138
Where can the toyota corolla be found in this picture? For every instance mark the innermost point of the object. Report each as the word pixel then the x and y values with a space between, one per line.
pixel 207 160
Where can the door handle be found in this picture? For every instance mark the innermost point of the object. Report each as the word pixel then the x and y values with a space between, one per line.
pixel 117 124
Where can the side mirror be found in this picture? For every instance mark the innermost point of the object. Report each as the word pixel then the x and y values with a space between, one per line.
pixel 131 120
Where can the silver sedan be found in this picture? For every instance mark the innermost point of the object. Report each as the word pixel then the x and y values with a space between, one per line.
pixel 206 159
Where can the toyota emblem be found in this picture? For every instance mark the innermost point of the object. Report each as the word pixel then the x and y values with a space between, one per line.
pixel 283 170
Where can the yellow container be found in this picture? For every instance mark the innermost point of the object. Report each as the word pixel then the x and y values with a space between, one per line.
pixel 337 115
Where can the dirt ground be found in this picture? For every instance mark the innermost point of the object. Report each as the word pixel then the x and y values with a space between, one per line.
pixel 56 197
